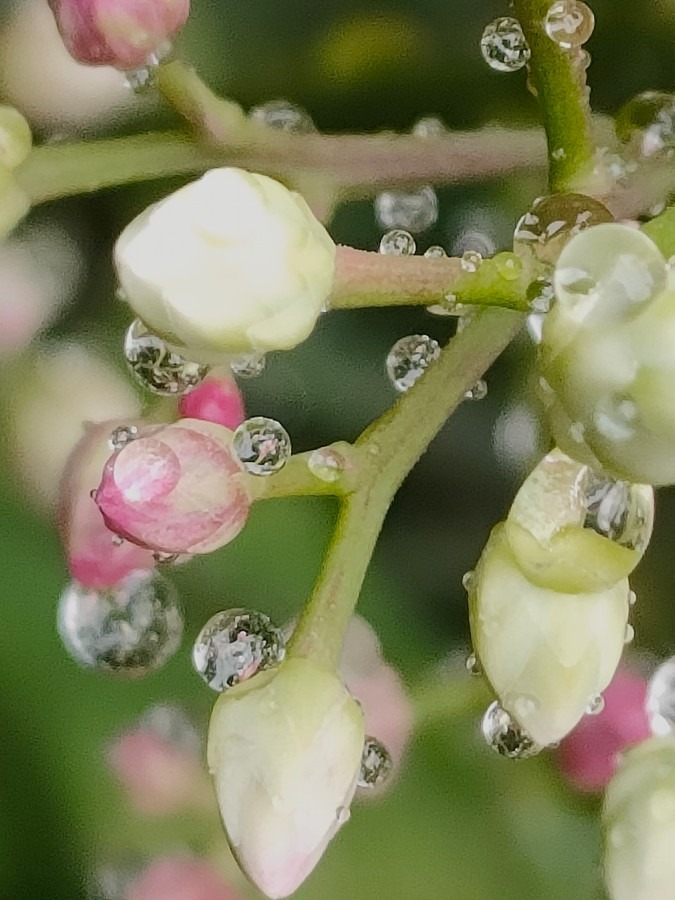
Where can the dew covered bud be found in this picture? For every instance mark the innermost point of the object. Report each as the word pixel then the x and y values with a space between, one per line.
pixel 285 752
pixel 574 531
pixel 16 139
pixel 545 653
pixel 217 399
pixel 176 488
pixel 180 878
pixel 231 263
pixel 639 821
pixel 95 559
pixel 119 33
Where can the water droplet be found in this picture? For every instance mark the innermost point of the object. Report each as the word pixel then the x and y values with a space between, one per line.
pixel 143 78
pixel 262 445
pixel 596 704
pixel 466 315
pixel 509 266
pixel 648 122
pixel 234 645
pixel 473 666
pixel 398 243
pixel 467 579
pixel 540 295
pixel 343 814
pixel 409 358
pixel 471 260
pixel 117 540
pixel 326 464
pixel 629 636
pixel 619 511
pixel 569 23
pixel 478 391
pixel 429 127
pixel 543 231
pixel 128 630
pixel 284 116
pixel 165 559
pixel 159 369
pixel 504 46
pixel 660 701
pixel 632 598
pixel 534 324
pixel 121 436
pixel 112 881
pixel 376 764
pixel 248 365
pixel 410 210
pixel 435 252
pixel 503 735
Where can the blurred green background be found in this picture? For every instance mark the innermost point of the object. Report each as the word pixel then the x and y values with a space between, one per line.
pixel 461 822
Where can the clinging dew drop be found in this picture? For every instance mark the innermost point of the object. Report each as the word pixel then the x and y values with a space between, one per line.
pixel 409 358
pixel 158 368
pixel 376 764
pixel 398 243
pixel 569 23
pixel 262 445
pixel 503 734
pixel 504 46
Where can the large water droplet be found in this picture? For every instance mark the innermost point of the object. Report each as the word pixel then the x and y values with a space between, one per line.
pixel 398 243
pixel 128 630
pixel 326 464
pixel 262 445
pixel 471 261
pixel 503 734
pixel 569 23
pixel 648 121
pixel 284 116
pixel 410 210
pixel 429 127
pixel 478 392
pixel 620 511
pixel 376 764
pixel 504 46
pixel 660 701
pixel 248 365
pixel 435 252
pixel 409 358
pixel 234 645
pixel 543 231
pixel 157 368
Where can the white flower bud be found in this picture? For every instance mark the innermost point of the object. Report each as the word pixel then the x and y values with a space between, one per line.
pixel 285 752
pixel 231 263
pixel 639 819
pixel 545 653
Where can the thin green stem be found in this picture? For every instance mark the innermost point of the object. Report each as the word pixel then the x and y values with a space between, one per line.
pixel 559 78
pixel 296 479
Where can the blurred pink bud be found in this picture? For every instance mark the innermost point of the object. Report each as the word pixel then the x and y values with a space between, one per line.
pixel 588 756
pixel 217 399
pixel 379 689
pixel 160 777
pixel 119 33
pixel 94 558
pixel 176 878
pixel 176 488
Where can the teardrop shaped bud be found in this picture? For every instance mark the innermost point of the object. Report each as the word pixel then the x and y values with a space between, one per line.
pixel 573 531
pixel 285 751
pixel 639 823
pixel 544 652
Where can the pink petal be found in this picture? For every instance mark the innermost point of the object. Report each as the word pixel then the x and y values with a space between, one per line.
pixel 174 878
pixel 216 399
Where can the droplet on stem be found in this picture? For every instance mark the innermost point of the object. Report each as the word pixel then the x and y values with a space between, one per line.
pixel 409 358
pixel 503 45
pixel 262 445
pixel 398 243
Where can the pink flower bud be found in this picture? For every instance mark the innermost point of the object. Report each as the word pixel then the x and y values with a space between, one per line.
pixel 176 488
pixel 176 878
pixel 217 399
pixel 119 33
pixel 588 756
pixel 159 777
pixel 94 559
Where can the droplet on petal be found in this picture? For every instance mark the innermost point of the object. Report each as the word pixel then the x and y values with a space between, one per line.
pixel 503 45
pixel 620 511
pixel 503 735
pixel 376 764
pixel 234 645
pixel 129 630
pixel 262 445
pixel 596 704
pixel 159 369
pixel 409 358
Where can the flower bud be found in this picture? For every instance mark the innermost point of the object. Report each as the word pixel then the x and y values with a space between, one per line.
pixel 231 263
pixel 571 530
pixel 119 33
pixel 14 202
pixel 217 399
pixel 176 878
pixel 588 756
pixel 285 751
pixel 639 820
pixel 16 139
pixel 176 488
pixel 546 654
pixel 94 559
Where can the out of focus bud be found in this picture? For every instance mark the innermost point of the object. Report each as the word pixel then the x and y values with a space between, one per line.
pixel 217 399
pixel 119 33
pixel 588 757
pixel 16 139
pixel 176 488
pixel 285 751
pixel 639 820
pixel 231 263
pixel 547 654
pixel 178 878
pixel 14 203
pixel 572 530
pixel 95 559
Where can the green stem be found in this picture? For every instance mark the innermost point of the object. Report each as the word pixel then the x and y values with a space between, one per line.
pixel 390 448
pixel 297 480
pixel 563 96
